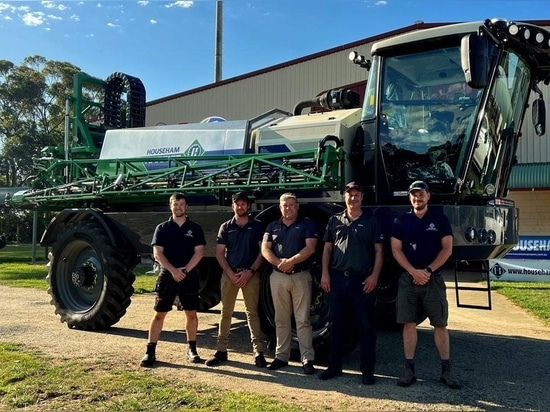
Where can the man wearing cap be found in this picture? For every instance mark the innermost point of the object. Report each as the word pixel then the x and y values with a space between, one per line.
pixel 288 244
pixel 421 242
pixel 239 255
pixel 352 260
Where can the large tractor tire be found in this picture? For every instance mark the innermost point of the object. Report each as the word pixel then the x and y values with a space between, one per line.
pixel 210 293
pixel 90 281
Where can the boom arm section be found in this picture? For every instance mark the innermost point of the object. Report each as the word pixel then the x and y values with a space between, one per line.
pixel 265 174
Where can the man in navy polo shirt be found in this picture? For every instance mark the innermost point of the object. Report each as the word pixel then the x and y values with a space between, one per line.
pixel 421 242
pixel 238 253
pixel 288 244
pixel 352 259
pixel 178 247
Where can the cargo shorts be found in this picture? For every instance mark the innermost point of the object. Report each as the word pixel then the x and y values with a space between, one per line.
pixel 415 302
pixel 166 289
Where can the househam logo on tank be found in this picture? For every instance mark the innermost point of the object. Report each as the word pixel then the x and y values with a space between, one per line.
pixel 161 151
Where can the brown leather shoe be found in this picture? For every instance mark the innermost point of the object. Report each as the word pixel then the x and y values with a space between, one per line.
pixel 449 378
pixel 408 377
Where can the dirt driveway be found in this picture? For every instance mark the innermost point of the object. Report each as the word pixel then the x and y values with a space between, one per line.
pixel 501 356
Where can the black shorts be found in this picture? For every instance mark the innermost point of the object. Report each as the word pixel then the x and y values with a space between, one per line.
pixel 167 289
pixel 415 302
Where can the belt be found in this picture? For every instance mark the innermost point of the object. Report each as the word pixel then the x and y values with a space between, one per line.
pixel 353 273
pixel 291 272
pixel 350 272
pixel 239 269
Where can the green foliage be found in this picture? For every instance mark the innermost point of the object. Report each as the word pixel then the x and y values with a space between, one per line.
pixel 28 380
pixel 32 106
pixel 16 225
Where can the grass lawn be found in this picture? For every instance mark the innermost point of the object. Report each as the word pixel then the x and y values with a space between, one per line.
pixel 28 380
pixel 532 296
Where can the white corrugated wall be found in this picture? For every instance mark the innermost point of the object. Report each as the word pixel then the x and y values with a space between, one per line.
pixel 256 94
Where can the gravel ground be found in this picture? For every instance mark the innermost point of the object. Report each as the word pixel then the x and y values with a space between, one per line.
pixel 501 357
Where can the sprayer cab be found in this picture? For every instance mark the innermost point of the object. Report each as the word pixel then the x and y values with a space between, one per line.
pixel 448 108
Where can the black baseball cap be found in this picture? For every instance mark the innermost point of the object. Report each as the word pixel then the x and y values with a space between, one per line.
pixel 353 185
pixel 240 196
pixel 418 185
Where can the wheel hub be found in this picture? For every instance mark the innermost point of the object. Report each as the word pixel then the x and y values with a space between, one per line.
pixel 84 276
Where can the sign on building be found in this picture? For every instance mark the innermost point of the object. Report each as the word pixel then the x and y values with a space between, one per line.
pixel 529 261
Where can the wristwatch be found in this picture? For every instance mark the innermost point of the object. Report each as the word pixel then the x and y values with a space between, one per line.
pixel 429 269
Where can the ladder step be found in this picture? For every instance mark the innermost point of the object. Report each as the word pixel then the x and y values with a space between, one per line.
pixel 483 269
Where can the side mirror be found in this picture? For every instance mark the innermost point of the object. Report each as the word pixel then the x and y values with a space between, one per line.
pixel 539 116
pixel 474 56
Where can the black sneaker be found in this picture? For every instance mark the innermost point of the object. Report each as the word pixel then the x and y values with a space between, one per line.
pixel 148 360
pixel 277 364
pixel 367 378
pixel 308 368
pixel 259 360
pixel 218 358
pixel 330 373
pixel 193 356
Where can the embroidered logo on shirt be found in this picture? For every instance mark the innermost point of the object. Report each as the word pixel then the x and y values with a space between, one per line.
pixel 189 233
pixel 432 228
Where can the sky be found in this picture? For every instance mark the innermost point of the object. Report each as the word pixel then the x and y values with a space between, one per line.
pixel 170 45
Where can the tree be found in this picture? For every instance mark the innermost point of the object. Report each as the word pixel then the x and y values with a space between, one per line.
pixel 32 109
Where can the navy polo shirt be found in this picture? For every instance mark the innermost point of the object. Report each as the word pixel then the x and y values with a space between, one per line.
pixel 421 237
pixel 178 241
pixel 289 240
pixel 242 244
pixel 352 241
